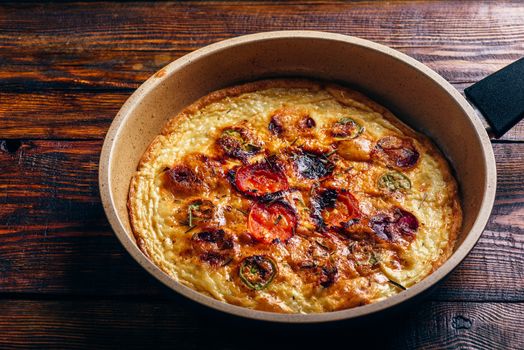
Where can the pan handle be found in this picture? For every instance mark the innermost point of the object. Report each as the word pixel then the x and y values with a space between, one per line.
pixel 500 97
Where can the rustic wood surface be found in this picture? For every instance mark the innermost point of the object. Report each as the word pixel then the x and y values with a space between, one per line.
pixel 65 70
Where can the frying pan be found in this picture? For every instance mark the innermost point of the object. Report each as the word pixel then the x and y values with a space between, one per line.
pixel 414 92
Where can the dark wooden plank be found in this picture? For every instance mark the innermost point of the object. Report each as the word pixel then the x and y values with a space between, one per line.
pixel 53 230
pixel 76 324
pixel 54 237
pixel 515 134
pixel 111 48
pixel 446 35
pixel 58 114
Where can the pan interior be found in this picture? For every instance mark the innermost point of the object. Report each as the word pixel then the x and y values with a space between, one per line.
pixel 418 99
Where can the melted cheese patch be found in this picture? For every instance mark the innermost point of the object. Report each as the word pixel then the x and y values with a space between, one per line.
pixel 368 269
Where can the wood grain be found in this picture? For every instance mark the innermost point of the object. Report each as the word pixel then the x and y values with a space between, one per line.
pixel 55 238
pixel 101 324
pixel 53 230
pixel 57 114
pixel 65 61
pixel 65 70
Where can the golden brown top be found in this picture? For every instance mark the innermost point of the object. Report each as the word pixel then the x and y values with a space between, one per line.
pixel 292 196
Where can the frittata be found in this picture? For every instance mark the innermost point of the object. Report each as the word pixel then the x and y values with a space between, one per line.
pixel 293 196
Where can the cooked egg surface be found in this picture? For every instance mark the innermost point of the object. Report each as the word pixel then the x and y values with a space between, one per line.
pixel 293 196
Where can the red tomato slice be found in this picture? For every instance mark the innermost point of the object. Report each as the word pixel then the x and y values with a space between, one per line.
pixel 267 222
pixel 260 179
pixel 398 152
pixel 345 209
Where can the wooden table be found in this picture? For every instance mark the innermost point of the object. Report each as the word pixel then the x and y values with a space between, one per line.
pixel 65 70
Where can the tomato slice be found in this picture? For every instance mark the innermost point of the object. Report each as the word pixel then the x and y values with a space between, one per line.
pixel 398 152
pixel 344 209
pixel 391 227
pixel 269 222
pixel 260 179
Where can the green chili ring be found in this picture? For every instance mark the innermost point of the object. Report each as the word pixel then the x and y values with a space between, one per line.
pixel 394 181
pixel 257 271
pixel 356 132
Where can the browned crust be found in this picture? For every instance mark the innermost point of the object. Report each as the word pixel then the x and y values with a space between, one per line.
pixel 133 219
pixel 344 96
pixel 236 91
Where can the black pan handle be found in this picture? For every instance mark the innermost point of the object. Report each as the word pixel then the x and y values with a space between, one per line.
pixel 500 97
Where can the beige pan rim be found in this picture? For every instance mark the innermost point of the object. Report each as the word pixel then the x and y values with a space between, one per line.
pixel 471 237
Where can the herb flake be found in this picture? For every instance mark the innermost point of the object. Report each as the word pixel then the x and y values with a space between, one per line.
pixel 396 284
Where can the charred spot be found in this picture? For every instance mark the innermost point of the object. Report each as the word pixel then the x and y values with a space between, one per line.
pixel 276 241
pixel 325 275
pixel 181 174
pixel 215 259
pixel 392 227
pixel 273 198
pixel 328 275
pixel 237 142
pixel 397 152
pixel 213 246
pixel 326 198
pixel 216 237
pixel 323 246
pixel 322 199
pixel 311 165
pixel 275 126
pixel 287 122
pixel 230 176
pixel 307 123
pixel 272 162
pixel 181 179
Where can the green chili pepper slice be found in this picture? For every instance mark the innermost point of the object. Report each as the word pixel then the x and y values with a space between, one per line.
pixel 235 136
pixel 232 133
pixel 257 271
pixel 394 181
pixel 347 128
